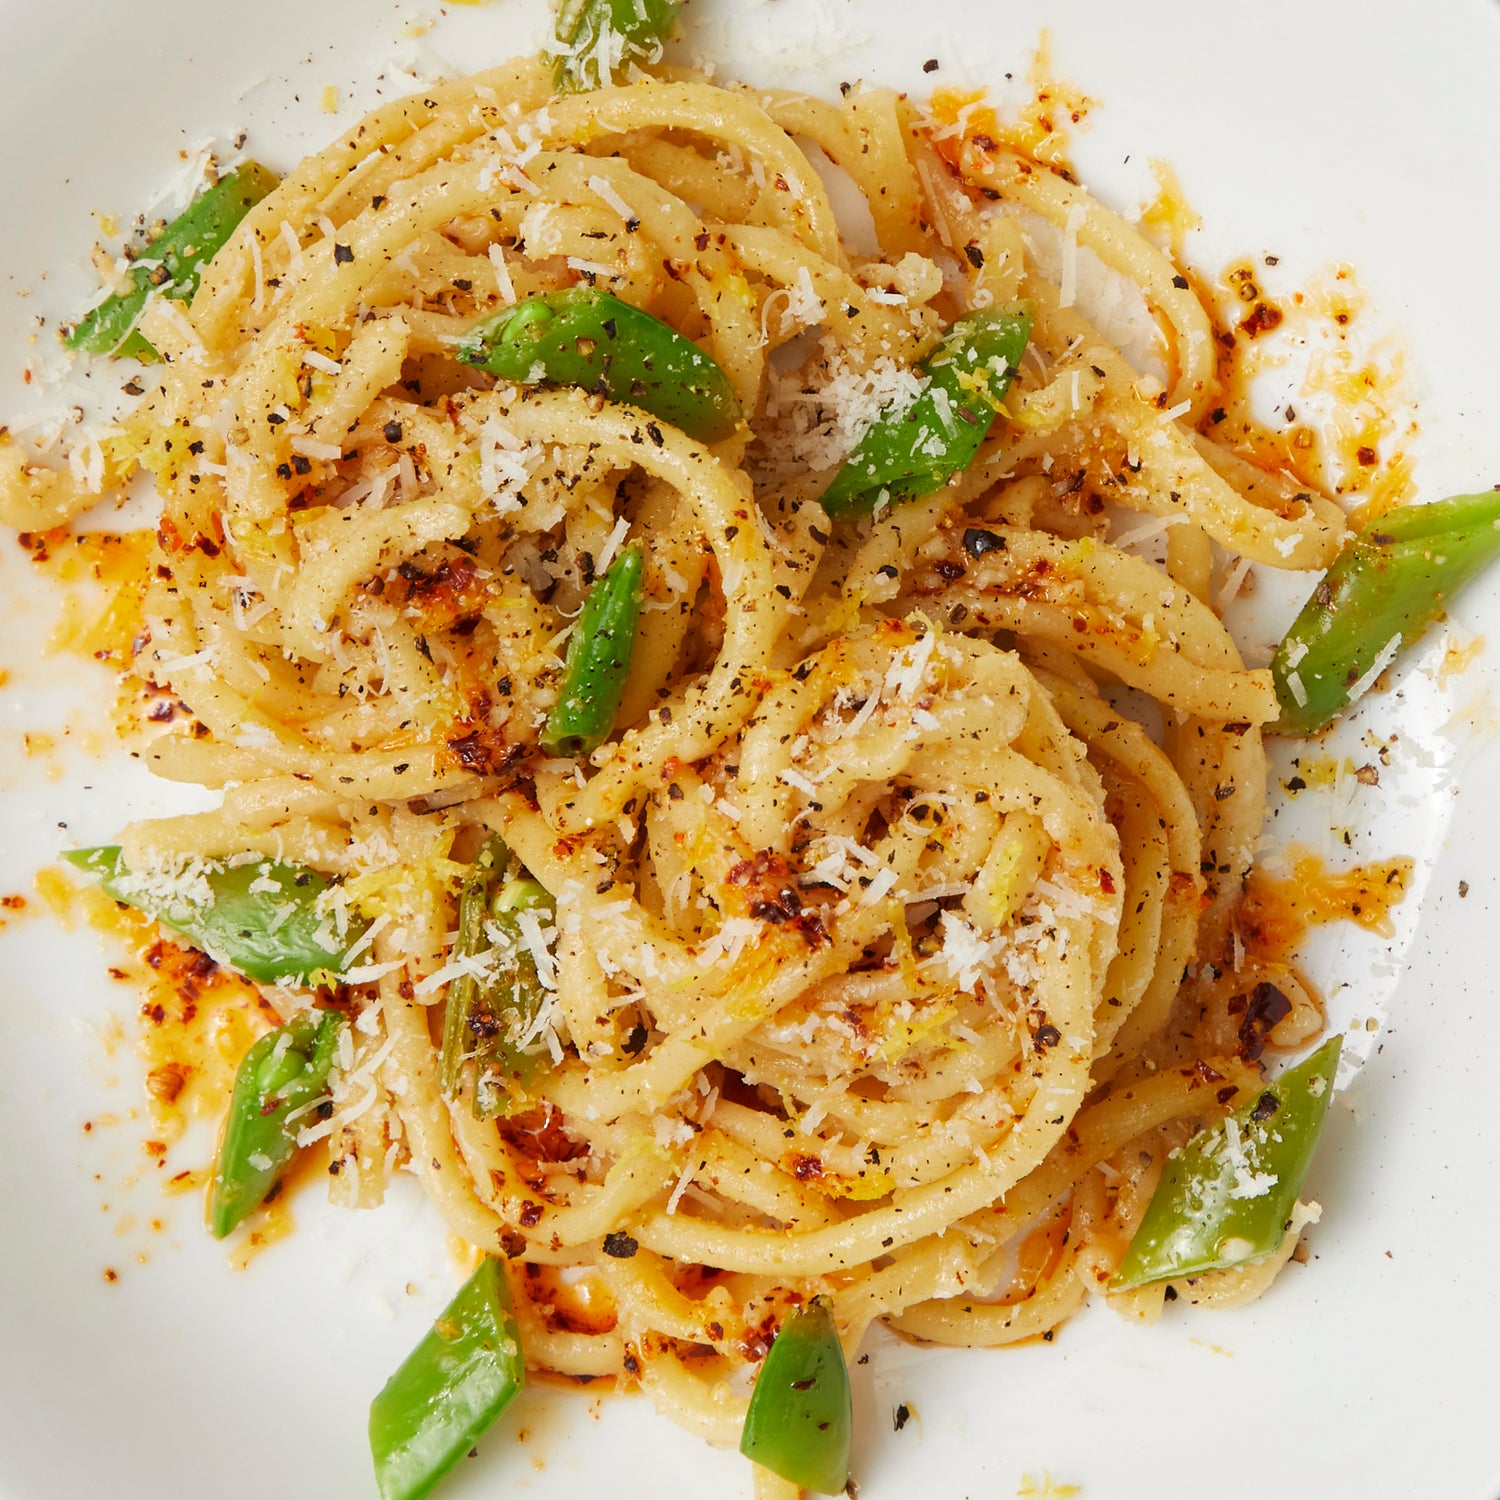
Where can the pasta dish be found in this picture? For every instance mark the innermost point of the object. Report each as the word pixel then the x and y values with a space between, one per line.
pixel 731 769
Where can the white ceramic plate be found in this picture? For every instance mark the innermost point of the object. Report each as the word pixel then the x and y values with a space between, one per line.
pixel 1319 129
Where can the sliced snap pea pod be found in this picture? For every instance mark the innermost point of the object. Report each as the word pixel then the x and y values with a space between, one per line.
pixel 173 262
pixel 1227 1197
pixel 800 1424
pixel 467 1369
pixel 489 1018
pixel 473 907
pixel 505 1062
pixel 264 918
pixel 908 451
pixel 596 40
pixel 1392 580
pixel 282 1074
pixel 598 661
pixel 588 338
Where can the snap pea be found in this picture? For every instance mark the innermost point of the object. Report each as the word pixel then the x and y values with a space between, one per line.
pixel 800 1423
pixel 1392 580
pixel 173 262
pixel 263 917
pixel 597 40
pixel 473 906
pixel 585 337
pixel 1227 1197
pixel 486 1018
pixel 466 1370
pixel 281 1074
pixel 512 1001
pixel 598 661
pixel 908 451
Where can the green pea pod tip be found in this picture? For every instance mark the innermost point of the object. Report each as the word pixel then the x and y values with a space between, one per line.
pixel 598 659
pixel 800 1420
pixel 1227 1197
pixel 171 264
pixel 1395 576
pixel 282 1073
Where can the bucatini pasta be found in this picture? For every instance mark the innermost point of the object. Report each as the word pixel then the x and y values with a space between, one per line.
pixel 860 934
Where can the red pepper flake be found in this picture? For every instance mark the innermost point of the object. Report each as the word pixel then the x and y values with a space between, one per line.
pixel 483 750
pixel 1205 1073
pixel 1262 319
pixel 1264 1008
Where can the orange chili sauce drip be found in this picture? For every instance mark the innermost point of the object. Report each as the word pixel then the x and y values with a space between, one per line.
pixel 1276 911
pixel 104 578
pixel 195 1020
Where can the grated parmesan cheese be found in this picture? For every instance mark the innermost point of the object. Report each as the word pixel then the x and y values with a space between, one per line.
pixel 1388 654
pixel 798 781
pixel 505 464
pixel 612 546
pixel 603 189
pixel 683 1183
pixel 317 361
pixel 814 418
pixel 502 276
pixel 310 447
pixel 1233 583
pixel 1247 1183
